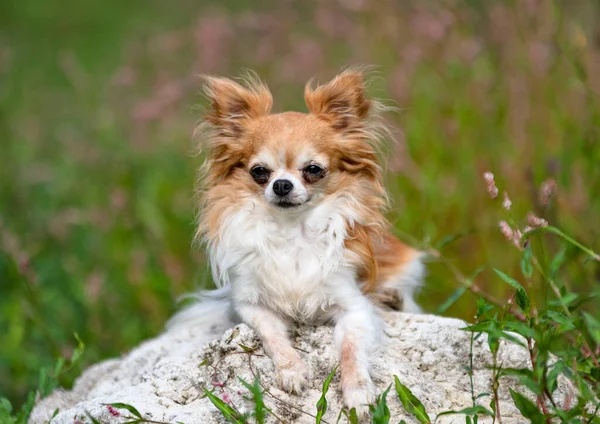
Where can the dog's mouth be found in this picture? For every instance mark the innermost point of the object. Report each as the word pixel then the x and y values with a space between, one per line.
pixel 287 205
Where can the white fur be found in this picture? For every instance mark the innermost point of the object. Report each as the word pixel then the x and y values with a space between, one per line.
pixel 282 266
pixel 298 195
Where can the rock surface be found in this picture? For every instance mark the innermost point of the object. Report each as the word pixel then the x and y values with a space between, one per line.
pixel 164 377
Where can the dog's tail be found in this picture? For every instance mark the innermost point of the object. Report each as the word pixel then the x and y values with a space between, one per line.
pixel 210 315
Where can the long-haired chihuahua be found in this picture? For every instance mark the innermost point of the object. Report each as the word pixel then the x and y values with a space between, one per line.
pixel 292 215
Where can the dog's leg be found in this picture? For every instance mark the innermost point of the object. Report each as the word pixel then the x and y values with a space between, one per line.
pixel 355 334
pixel 291 372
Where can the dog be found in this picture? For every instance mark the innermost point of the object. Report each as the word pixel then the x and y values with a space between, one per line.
pixel 292 214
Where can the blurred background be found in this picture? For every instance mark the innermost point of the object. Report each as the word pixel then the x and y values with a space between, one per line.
pixel 98 101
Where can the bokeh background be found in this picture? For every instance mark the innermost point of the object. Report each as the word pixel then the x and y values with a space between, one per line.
pixel 98 101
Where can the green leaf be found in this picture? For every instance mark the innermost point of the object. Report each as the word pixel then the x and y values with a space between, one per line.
pixel 564 323
pixel 94 420
pixel 257 396
pixel 322 402
pixel 525 376
pixel 556 231
pixel 493 402
pixel 352 417
pixel 451 238
pixel 5 411
pixel 593 327
pixel 380 414
pixel 452 299
pixel 78 351
pixel 410 402
pixel 526 267
pixel 552 377
pixel 557 261
pixel 126 406
pixel 482 307
pixel 473 410
pixel 521 294
pixel 228 412
pixel 246 348
pixel 520 328
pixel 527 408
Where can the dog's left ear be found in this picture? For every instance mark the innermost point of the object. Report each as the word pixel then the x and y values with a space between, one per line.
pixel 342 102
pixel 233 104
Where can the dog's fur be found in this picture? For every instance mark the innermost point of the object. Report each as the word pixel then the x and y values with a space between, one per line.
pixel 321 253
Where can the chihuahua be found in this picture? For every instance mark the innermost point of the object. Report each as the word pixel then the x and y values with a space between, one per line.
pixel 292 214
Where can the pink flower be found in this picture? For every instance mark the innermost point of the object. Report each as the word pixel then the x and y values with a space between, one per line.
pixel 491 184
pixel 226 398
pixel 512 235
pixel 506 203
pixel 535 221
pixel 113 411
pixel 547 190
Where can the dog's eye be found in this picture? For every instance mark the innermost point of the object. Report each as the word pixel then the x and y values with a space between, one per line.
pixel 313 172
pixel 260 174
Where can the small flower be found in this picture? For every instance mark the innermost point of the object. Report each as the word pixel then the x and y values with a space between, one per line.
pixel 506 203
pixel 513 236
pixel 491 184
pixel 535 221
pixel 226 398
pixel 113 411
pixel 547 190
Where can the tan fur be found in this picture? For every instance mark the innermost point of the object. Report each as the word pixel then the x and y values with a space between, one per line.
pixel 342 124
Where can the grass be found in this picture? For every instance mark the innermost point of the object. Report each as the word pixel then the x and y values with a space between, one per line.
pixel 97 104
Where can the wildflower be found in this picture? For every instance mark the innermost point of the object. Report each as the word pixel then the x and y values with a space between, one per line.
pixel 512 235
pixel 491 184
pixel 113 411
pixel 226 398
pixel 547 190
pixel 506 203
pixel 535 221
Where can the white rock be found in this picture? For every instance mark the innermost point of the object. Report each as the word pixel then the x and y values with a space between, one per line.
pixel 164 377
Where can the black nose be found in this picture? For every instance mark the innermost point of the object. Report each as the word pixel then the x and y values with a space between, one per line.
pixel 282 187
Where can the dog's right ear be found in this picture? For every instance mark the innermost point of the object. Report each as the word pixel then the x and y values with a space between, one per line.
pixel 233 104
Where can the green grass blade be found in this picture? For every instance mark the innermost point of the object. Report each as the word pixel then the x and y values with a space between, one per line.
pixel 228 412
pixel 410 402
pixel 322 402
pixel 527 408
pixel 257 396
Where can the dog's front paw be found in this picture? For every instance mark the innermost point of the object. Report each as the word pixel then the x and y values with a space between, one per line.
pixel 292 378
pixel 360 397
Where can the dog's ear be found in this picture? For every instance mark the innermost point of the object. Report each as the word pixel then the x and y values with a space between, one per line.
pixel 233 104
pixel 342 102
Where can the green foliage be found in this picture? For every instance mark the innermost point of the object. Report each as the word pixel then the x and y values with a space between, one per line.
pixel 257 397
pixel 48 380
pixel 380 412
pixel 527 408
pixel 96 180
pixel 410 402
pixel 229 413
pixel 322 402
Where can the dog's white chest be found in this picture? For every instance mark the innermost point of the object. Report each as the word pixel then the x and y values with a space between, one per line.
pixel 288 265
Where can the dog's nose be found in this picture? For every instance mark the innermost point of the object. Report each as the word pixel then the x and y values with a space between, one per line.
pixel 282 187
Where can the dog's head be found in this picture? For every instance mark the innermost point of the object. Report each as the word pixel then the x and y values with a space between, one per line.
pixel 292 161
